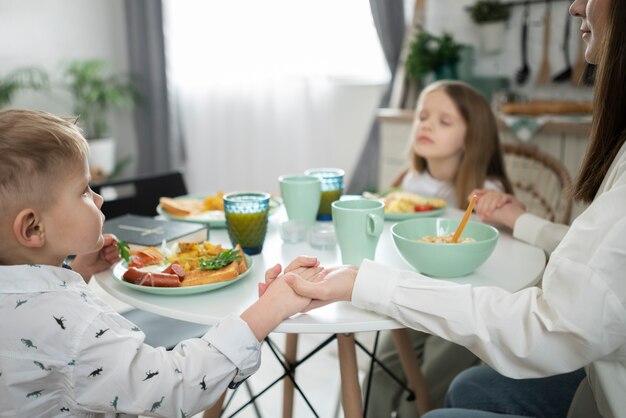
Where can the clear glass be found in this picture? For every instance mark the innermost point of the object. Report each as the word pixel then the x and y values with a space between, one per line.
pixel 332 189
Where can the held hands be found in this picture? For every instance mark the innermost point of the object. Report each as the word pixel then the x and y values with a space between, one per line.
pixel 496 207
pixel 336 285
pixel 89 264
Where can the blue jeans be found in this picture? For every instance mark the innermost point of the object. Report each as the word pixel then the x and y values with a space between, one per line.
pixel 481 392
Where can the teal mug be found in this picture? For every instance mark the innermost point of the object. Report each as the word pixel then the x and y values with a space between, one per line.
pixel 358 224
pixel 301 197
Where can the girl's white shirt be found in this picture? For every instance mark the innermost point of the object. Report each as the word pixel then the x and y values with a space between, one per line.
pixel 577 319
pixel 425 185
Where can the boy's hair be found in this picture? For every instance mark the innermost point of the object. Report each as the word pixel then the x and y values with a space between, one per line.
pixel 608 128
pixel 37 150
pixel 482 158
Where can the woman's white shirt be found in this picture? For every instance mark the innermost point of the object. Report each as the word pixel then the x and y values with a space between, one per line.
pixel 577 319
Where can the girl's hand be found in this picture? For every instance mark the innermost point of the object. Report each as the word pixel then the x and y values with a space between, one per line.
pixel 89 264
pixel 496 207
pixel 306 267
pixel 336 286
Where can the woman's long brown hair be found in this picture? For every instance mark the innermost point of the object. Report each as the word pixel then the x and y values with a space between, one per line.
pixel 482 158
pixel 608 128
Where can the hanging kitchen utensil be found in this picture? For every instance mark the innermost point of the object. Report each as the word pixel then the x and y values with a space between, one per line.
pixel 522 74
pixel 566 74
pixel 543 75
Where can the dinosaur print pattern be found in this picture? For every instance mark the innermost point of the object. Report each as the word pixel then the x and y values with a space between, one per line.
pixel 41 366
pixel 34 394
pixel 64 409
pixel 28 343
pixel 157 405
pixel 96 372
pixel 203 383
pixel 150 374
pixel 60 321
pixel 114 402
pixel 19 303
pixel 101 332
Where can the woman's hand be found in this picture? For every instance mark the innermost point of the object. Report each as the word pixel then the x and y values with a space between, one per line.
pixel 89 264
pixel 496 207
pixel 337 285
pixel 306 267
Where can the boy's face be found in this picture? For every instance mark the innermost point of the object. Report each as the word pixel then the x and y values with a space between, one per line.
pixel 73 223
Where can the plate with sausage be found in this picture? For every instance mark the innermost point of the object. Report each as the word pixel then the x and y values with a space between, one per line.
pixel 191 268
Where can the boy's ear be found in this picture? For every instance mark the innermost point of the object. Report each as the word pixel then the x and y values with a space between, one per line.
pixel 28 229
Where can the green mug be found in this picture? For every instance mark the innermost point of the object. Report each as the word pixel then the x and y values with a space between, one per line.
pixel 358 224
pixel 301 197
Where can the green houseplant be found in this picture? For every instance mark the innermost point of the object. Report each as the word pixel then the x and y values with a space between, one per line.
pixel 25 78
pixel 95 92
pixel 491 17
pixel 430 53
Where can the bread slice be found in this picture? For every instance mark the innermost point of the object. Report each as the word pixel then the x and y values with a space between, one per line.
pixel 181 207
pixel 198 277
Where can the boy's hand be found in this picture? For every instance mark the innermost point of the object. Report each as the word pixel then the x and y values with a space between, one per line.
pixel 336 286
pixel 307 267
pixel 89 264
pixel 496 207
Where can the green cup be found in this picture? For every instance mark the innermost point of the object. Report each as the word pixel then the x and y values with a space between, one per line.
pixel 246 219
pixel 358 224
pixel 301 197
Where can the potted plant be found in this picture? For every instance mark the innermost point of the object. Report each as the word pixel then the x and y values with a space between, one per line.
pixel 21 79
pixel 491 17
pixel 430 53
pixel 95 92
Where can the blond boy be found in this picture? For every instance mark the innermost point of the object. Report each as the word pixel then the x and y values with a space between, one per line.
pixel 63 352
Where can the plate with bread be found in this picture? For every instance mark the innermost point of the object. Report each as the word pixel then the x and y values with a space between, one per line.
pixel 401 205
pixel 208 209
pixel 186 268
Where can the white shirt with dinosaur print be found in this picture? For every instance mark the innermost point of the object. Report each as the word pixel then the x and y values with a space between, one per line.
pixel 65 353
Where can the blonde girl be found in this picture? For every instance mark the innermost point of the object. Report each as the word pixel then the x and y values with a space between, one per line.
pixel 455 146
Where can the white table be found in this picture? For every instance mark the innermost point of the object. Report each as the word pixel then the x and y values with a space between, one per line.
pixel 513 265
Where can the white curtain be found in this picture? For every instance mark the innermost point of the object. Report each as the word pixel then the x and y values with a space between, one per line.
pixel 264 88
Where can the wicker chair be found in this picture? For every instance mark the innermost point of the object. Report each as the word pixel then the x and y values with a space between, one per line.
pixel 540 181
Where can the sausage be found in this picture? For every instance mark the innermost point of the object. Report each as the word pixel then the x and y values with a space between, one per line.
pixel 160 280
pixel 177 269
pixel 133 275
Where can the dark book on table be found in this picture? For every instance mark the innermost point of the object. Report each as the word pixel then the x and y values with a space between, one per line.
pixel 145 231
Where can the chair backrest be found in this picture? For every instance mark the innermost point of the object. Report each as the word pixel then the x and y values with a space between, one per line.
pixel 540 181
pixel 139 195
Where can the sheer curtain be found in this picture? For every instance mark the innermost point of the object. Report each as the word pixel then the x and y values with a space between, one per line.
pixel 263 88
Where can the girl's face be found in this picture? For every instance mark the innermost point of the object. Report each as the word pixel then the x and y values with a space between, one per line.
pixel 439 129
pixel 594 19
pixel 73 224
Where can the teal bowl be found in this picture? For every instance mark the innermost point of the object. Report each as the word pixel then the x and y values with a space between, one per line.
pixel 439 259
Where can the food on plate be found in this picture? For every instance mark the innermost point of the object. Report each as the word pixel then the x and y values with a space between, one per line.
pixel 189 264
pixel 188 206
pixel 444 239
pixel 405 202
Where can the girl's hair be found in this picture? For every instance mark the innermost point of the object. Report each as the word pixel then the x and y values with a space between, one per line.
pixel 482 157
pixel 608 128
pixel 37 151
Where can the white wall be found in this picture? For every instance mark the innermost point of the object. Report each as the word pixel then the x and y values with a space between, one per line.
pixel 50 34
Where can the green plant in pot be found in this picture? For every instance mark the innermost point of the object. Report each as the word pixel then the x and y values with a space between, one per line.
pixel 429 53
pixel 25 78
pixel 95 93
pixel 491 17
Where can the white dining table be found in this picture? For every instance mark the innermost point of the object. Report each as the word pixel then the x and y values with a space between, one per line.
pixel 513 265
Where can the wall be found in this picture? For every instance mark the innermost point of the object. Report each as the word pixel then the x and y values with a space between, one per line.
pixel 50 34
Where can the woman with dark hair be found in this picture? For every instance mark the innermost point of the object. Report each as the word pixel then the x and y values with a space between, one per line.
pixel 577 319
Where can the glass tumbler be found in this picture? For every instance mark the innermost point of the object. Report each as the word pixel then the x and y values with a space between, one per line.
pixel 246 219
pixel 332 189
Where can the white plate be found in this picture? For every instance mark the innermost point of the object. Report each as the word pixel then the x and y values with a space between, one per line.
pixel 120 268
pixel 401 216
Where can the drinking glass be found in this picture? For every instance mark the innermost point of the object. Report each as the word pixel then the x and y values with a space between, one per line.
pixel 332 188
pixel 358 225
pixel 246 219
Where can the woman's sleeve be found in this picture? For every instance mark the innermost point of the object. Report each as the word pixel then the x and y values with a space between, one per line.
pixel 539 232
pixel 579 315
pixel 116 372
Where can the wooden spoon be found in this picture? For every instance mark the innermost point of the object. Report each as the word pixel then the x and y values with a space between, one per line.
pixel 461 227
